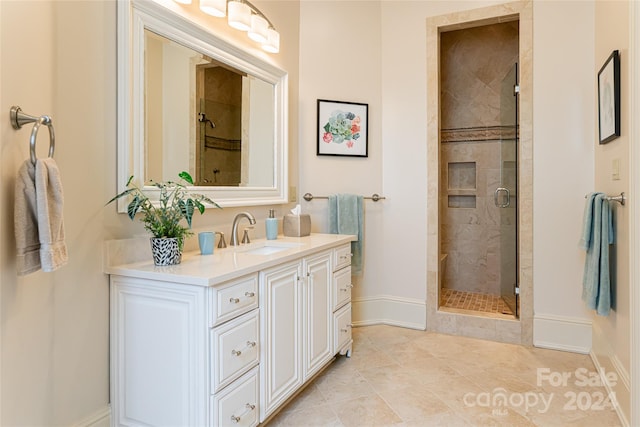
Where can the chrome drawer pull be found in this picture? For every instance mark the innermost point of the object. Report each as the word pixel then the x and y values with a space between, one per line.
pixel 250 344
pixel 349 286
pixel 249 294
pixel 248 408
pixel 234 300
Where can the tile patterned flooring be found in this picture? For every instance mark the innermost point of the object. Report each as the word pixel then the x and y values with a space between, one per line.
pixel 404 377
pixel 472 301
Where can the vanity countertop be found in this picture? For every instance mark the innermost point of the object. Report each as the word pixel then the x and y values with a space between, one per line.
pixel 231 262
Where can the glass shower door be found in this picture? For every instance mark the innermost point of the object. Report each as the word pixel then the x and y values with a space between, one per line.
pixel 505 196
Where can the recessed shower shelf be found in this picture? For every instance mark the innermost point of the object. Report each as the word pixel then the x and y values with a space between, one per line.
pixel 468 202
pixel 457 192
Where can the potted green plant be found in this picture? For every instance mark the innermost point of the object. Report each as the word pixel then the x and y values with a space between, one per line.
pixel 163 219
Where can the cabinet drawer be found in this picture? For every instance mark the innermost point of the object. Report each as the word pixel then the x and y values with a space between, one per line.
pixel 342 328
pixel 341 287
pixel 237 405
pixel 234 349
pixel 341 257
pixel 233 298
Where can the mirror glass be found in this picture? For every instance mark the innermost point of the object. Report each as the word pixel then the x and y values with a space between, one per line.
pixel 223 115
pixel 189 101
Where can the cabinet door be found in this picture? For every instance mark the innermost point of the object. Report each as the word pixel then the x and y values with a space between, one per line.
pixel 280 370
pixel 158 353
pixel 317 313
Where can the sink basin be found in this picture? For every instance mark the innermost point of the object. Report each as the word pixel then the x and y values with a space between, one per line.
pixel 267 248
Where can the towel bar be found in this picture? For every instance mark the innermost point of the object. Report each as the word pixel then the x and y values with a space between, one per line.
pixel 19 119
pixel 375 197
pixel 620 199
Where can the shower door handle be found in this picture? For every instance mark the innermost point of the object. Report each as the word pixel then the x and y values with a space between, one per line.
pixel 506 199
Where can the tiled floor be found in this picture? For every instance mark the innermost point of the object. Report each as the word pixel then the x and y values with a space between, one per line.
pixel 404 377
pixel 471 301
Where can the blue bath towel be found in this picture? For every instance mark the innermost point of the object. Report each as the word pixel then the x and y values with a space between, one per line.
pixel 597 235
pixel 346 217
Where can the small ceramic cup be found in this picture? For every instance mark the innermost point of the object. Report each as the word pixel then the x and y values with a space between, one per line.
pixel 205 240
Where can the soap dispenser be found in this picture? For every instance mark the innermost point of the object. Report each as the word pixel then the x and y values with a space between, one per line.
pixel 271 225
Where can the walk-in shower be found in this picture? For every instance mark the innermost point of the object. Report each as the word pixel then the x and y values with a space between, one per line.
pixel 478 200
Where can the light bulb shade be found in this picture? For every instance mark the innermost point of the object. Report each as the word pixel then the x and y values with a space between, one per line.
pixel 239 15
pixel 217 8
pixel 258 30
pixel 272 45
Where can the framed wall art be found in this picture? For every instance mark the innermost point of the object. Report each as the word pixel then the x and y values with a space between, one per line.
pixel 609 99
pixel 342 128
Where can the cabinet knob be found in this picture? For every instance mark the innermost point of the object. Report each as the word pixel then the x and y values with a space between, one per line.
pixel 249 294
pixel 346 328
pixel 247 408
pixel 234 300
pixel 250 344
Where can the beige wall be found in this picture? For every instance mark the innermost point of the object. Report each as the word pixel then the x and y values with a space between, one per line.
pixel 611 334
pixel 59 58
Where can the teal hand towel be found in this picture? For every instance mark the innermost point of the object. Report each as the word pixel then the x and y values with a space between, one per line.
pixel 597 235
pixel 346 217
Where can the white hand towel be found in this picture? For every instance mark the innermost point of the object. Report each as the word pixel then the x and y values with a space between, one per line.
pixel 49 201
pixel 26 221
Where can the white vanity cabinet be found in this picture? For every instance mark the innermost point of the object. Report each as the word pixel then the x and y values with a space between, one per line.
pixel 226 340
pixel 174 353
pixel 297 330
pixel 341 301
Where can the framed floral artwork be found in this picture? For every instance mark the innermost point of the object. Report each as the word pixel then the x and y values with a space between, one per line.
pixel 342 128
pixel 609 99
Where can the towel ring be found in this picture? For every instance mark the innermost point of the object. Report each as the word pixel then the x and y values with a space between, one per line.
pixel 42 120
pixel 19 119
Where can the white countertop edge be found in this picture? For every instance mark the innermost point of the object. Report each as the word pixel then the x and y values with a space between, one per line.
pixel 229 263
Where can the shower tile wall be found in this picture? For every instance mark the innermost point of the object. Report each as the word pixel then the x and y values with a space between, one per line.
pixel 473 63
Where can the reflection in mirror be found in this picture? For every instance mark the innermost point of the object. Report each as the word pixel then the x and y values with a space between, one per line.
pixel 188 100
pixel 224 116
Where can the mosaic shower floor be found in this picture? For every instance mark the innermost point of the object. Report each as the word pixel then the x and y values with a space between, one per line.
pixel 462 300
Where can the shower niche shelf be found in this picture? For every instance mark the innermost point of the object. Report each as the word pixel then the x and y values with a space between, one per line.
pixel 461 201
pixel 461 176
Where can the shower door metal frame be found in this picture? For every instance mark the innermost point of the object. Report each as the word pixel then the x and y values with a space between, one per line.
pixel 503 198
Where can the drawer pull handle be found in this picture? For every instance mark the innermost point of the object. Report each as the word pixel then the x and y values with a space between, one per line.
pixel 346 328
pixel 234 300
pixel 349 286
pixel 249 294
pixel 250 344
pixel 248 408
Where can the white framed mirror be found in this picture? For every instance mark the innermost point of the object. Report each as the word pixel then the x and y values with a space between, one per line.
pixel 188 100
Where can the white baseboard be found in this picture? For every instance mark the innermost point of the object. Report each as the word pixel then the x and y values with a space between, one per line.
pixel 101 418
pixel 606 361
pixel 562 333
pixel 389 310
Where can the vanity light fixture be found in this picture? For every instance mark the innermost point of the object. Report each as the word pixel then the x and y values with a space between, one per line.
pixel 244 16
pixel 217 8
pixel 259 28
pixel 239 15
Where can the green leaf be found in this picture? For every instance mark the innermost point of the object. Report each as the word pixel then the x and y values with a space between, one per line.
pixel 129 181
pixel 134 207
pixel 185 175
pixel 124 193
pixel 199 205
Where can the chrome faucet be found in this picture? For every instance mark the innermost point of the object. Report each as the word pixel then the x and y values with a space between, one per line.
pixel 234 228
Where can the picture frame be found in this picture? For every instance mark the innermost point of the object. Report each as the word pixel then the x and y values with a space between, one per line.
pixel 342 128
pixel 609 99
